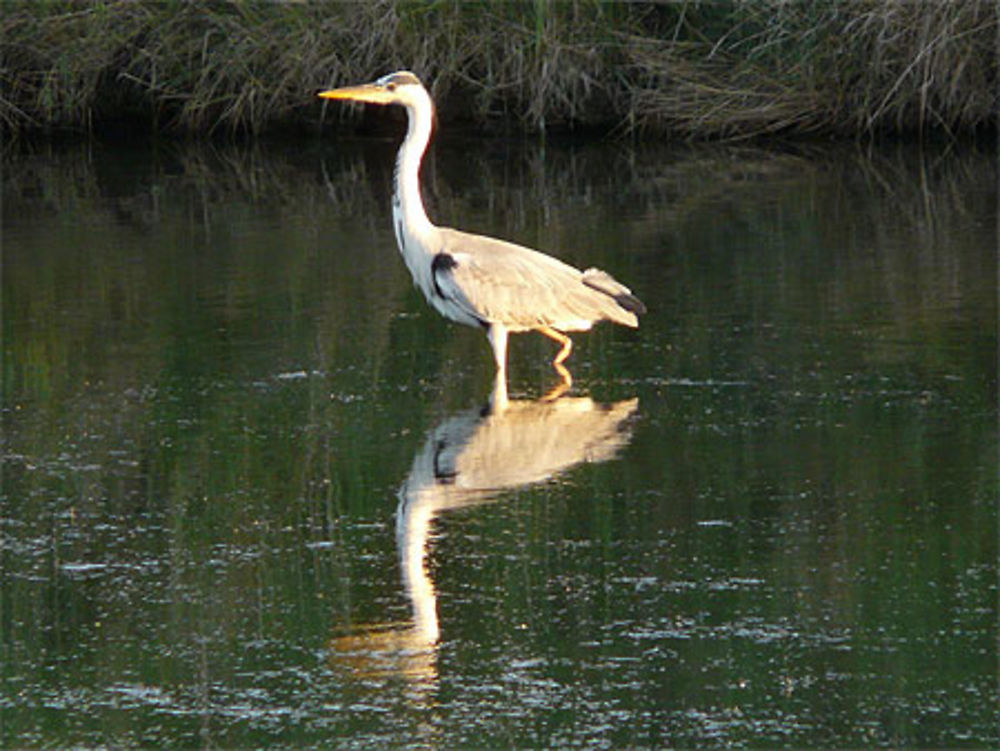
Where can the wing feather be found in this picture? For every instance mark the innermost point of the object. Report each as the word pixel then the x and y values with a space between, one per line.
pixel 493 280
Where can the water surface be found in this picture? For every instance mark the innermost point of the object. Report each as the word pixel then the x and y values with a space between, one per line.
pixel 251 496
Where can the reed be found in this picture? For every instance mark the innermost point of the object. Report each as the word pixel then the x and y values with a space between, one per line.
pixel 697 69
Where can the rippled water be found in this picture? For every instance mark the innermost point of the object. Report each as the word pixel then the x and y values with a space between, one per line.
pixel 251 496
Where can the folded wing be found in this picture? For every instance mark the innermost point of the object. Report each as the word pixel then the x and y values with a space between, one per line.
pixel 496 281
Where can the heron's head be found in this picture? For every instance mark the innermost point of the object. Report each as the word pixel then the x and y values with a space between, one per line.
pixel 401 87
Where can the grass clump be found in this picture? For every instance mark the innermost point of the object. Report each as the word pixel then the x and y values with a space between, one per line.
pixel 828 66
pixel 696 69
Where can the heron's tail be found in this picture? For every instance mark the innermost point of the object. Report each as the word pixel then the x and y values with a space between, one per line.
pixel 602 281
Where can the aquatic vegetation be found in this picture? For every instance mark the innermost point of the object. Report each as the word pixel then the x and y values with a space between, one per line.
pixel 694 69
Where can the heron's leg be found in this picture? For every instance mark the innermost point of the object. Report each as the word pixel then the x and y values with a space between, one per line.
pixel 497 335
pixel 567 347
pixel 498 341
pixel 498 399
pixel 565 341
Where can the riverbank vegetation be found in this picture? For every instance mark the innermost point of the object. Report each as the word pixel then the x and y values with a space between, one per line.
pixel 704 70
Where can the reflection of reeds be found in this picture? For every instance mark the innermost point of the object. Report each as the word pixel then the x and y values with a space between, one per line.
pixel 703 69
pixel 558 201
pixel 124 391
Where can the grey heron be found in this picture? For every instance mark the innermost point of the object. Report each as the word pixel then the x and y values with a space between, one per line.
pixel 481 281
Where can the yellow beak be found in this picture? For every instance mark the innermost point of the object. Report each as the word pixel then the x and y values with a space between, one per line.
pixel 367 92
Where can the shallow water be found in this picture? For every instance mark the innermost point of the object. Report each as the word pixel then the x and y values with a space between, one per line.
pixel 251 496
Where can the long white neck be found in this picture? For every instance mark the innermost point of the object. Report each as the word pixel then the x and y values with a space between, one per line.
pixel 407 204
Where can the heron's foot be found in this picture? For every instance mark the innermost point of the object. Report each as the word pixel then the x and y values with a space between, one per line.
pixel 562 387
pixel 557 391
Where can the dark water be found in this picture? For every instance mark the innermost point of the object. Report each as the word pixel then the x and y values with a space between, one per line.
pixel 250 497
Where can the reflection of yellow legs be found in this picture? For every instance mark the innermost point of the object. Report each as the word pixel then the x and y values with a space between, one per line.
pixel 557 363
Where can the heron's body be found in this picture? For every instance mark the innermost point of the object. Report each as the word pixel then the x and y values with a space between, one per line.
pixel 481 281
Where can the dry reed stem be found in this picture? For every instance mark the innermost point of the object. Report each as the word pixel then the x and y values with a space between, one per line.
pixel 701 70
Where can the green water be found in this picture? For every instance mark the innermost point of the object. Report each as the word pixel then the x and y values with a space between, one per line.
pixel 247 476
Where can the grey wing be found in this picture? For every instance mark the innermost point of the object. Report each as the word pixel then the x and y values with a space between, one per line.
pixel 500 282
pixel 496 281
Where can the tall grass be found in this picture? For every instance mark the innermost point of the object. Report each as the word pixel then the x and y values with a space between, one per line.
pixel 697 69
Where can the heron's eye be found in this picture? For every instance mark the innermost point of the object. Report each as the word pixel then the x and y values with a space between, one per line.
pixel 390 86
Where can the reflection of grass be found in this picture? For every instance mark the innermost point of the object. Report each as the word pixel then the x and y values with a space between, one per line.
pixel 241 507
pixel 126 317
pixel 704 69
pixel 127 280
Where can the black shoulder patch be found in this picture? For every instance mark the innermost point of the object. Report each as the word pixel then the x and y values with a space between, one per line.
pixel 442 262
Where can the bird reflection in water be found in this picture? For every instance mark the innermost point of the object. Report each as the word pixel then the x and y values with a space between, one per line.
pixel 469 459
